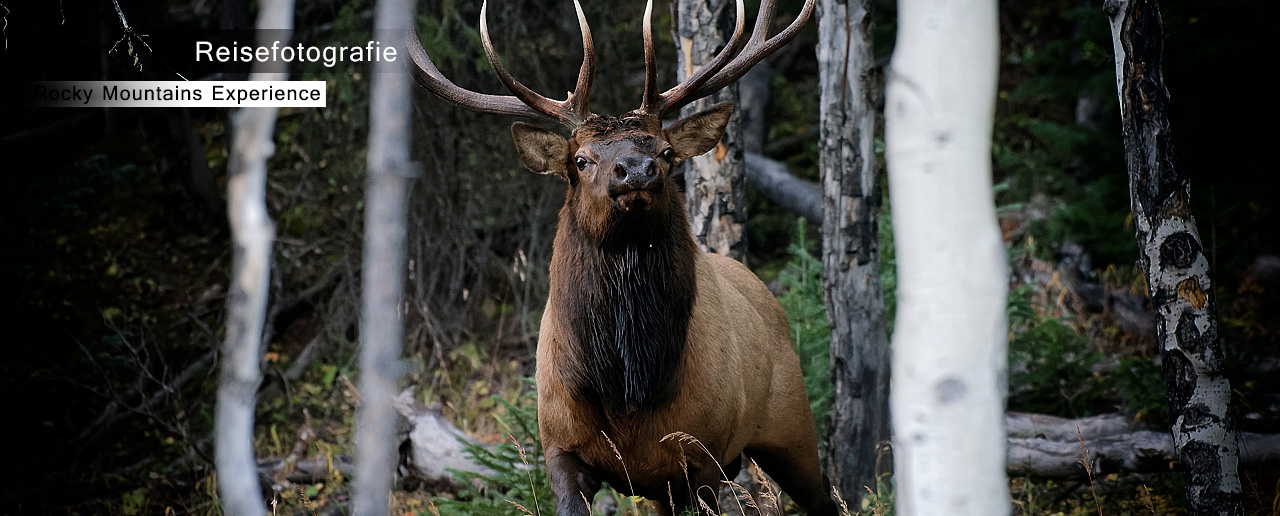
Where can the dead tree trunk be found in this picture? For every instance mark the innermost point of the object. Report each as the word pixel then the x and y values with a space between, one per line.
pixel 715 189
pixel 252 233
pixel 850 257
pixel 383 272
pixel 1176 269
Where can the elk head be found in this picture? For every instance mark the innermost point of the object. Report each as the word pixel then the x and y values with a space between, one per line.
pixel 618 168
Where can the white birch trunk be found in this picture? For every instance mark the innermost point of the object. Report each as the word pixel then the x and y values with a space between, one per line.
pixel 383 271
pixel 1177 271
pixel 950 334
pixel 252 233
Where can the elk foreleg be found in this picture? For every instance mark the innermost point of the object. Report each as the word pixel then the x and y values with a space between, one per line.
pixel 572 481
pixel 797 472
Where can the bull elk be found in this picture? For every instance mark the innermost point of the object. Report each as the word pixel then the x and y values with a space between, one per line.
pixel 645 337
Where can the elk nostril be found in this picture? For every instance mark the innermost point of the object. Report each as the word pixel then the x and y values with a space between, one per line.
pixel 619 171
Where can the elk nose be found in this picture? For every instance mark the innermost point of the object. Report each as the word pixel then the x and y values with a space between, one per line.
pixel 635 171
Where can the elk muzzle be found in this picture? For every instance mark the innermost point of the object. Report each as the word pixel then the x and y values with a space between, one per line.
pixel 635 182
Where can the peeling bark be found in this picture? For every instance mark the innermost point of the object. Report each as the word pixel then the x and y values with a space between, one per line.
pixel 1176 269
pixel 252 233
pixel 715 189
pixel 850 254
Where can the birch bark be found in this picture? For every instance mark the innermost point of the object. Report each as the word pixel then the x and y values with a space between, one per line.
pixel 950 335
pixel 1177 272
pixel 252 232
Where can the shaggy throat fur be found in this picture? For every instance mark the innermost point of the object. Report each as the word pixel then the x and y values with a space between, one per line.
pixel 627 308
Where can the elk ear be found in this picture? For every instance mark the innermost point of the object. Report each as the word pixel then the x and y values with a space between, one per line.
pixel 541 151
pixel 699 132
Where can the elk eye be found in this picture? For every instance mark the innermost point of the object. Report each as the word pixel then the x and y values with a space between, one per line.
pixel 581 162
pixel 668 154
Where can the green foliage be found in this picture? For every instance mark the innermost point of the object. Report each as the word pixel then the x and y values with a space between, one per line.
pixel 888 266
pixel 519 480
pixel 807 318
pixel 1050 363
pixel 879 502
pixel 1139 384
pixel 132 502
pixel 1118 494
pixel 1094 217
pixel 1053 139
pixel 792 112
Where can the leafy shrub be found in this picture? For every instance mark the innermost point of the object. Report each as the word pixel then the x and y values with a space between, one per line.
pixel 1050 362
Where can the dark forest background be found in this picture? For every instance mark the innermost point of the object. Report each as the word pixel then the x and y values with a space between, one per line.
pixel 116 249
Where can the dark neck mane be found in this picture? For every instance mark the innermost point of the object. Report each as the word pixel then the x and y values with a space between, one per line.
pixel 623 309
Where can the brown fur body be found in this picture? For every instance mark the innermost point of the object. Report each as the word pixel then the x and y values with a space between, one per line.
pixel 644 335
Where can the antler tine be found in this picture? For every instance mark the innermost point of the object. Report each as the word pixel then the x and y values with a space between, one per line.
pixel 429 77
pixel 577 100
pixel 559 110
pixel 663 102
pixel 525 101
pixel 757 48
pixel 649 103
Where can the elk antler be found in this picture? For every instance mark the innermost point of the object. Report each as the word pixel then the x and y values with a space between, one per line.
pixel 727 66
pixel 524 102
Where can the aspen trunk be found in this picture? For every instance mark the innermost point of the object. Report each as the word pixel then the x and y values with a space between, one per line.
pixel 950 334
pixel 1177 272
pixel 252 232
pixel 850 257
pixel 715 188
pixel 383 272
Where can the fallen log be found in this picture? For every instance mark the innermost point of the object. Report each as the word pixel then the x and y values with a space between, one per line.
pixel 430 445
pixel 1054 428
pixel 305 471
pixel 779 185
pixel 1142 451
pixel 1038 446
